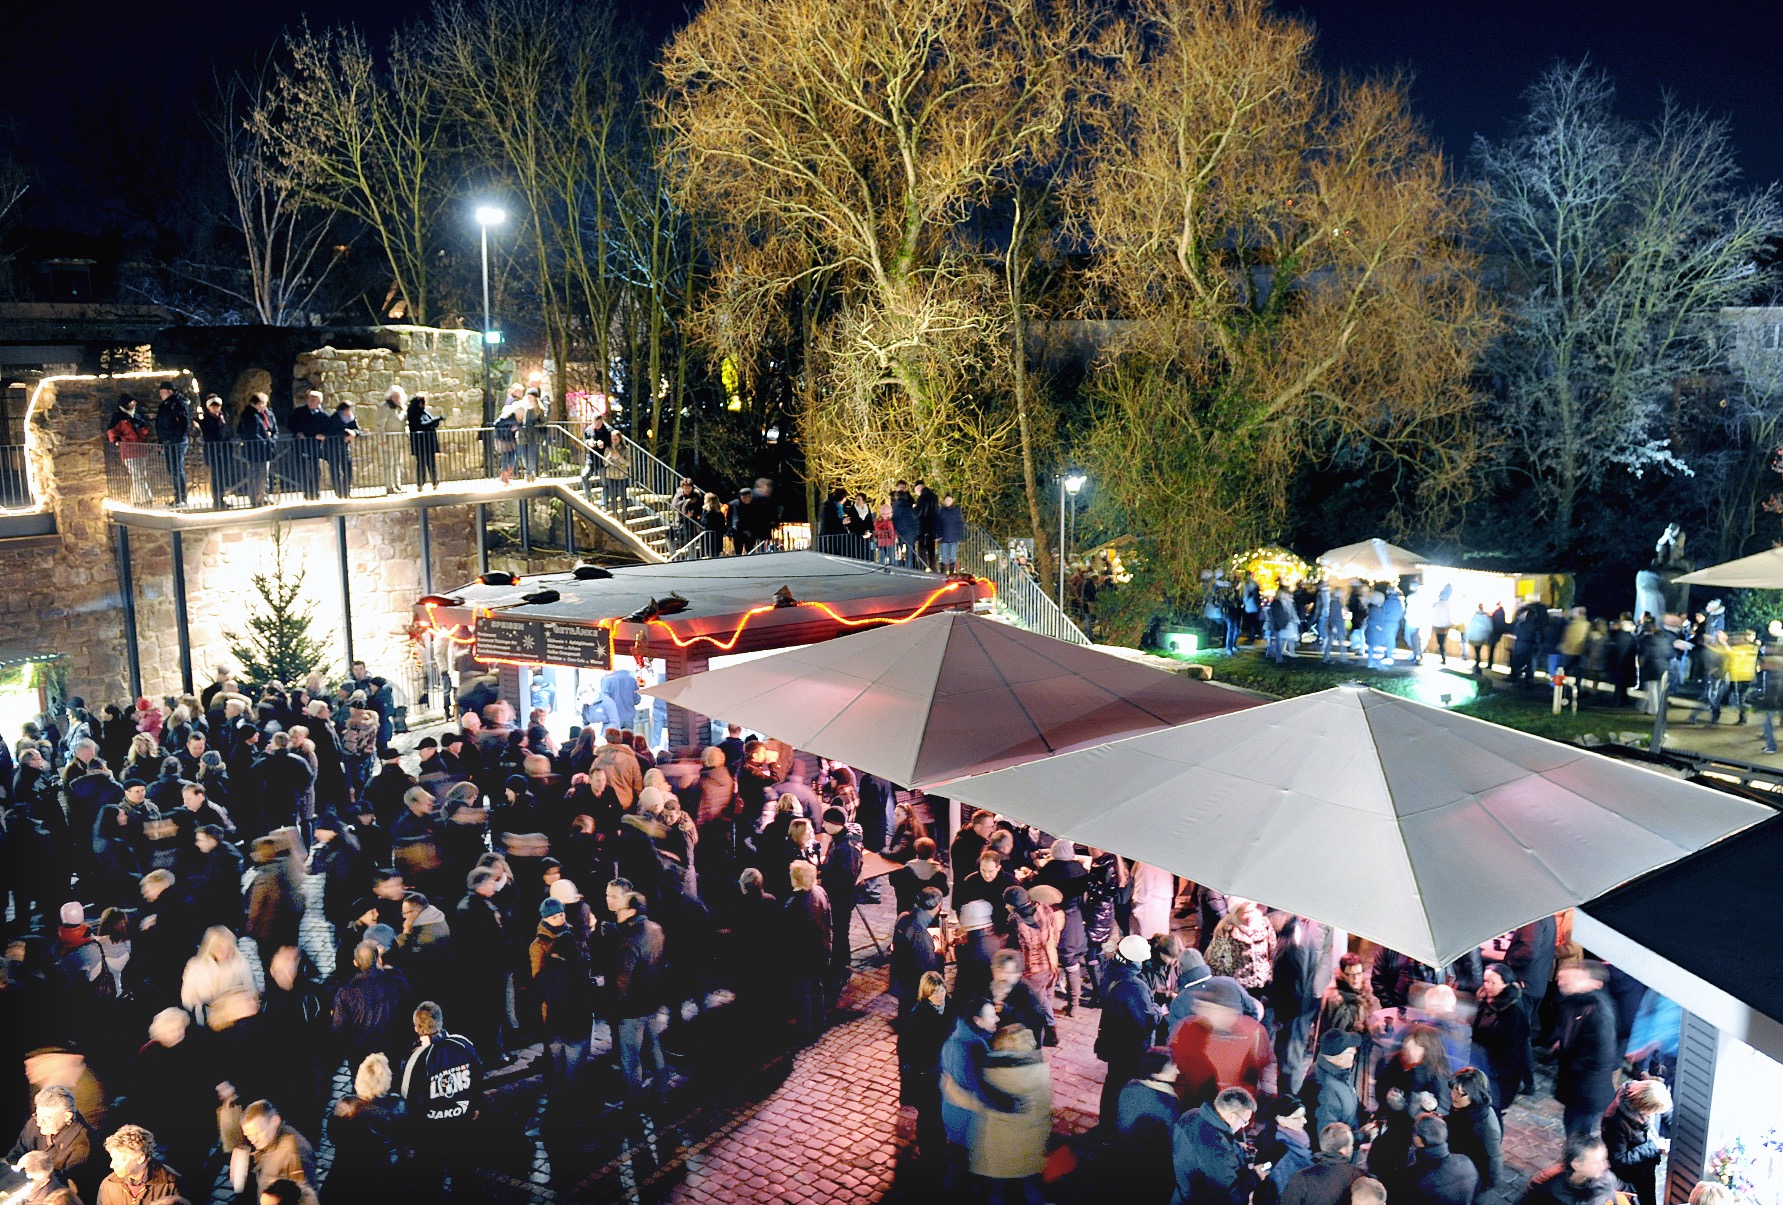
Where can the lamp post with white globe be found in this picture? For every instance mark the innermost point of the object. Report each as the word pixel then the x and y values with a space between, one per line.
pixel 1070 483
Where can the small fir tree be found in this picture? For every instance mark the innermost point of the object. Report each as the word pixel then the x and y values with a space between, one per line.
pixel 278 644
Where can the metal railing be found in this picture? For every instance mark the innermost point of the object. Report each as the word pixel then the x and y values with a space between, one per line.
pixel 643 500
pixel 197 475
pixel 15 482
pixel 1019 596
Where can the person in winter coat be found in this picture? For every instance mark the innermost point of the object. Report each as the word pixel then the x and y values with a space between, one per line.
pixel 1501 1033
pixel 838 875
pixel 137 1177
pixel 950 533
pixel 1243 947
pixel 1441 618
pixel 1220 1046
pixel 483 957
pixel 1531 956
pixel 1330 1088
pixel 442 1088
pixel 1582 1177
pixel 1474 1129
pixel 1349 1001
pixel 1587 1052
pixel 1208 1155
pixel 212 878
pixel 173 430
pixel 1154 890
pixel 275 904
pixel 274 1151
pixel 218 985
pixel 1144 1118
pixel 1010 1145
pixel 56 1128
pixel 1302 963
pixel 1285 1145
pixel 913 953
pixel 134 440
pixel 1129 1020
pixel 964 1094
pixel 219 453
pixel 346 870
pixel 1414 1081
pixel 373 1009
pixel 637 990
pixel 1328 1179
pixel 923 1029
pixel 1070 878
pixel 906 524
pixel 560 980
pixel 366 1129
pixel 1631 1136
pixel 808 950
pixel 1480 637
pixel 1436 1175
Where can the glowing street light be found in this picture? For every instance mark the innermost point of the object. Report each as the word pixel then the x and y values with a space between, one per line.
pixel 487 216
pixel 1070 482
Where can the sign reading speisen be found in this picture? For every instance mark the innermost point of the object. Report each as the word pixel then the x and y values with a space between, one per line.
pixel 539 643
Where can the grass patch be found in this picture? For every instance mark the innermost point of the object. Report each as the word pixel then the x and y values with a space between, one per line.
pixel 1526 711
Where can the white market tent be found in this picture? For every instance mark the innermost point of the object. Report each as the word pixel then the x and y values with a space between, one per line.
pixel 1424 830
pixel 1372 560
pixel 1760 571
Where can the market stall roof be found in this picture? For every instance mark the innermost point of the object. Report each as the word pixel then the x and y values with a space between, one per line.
pixel 947 695
pixel 1422 829
pixel 729 600
pixel 1760 571
pixel 1373 560
pixel 1687 931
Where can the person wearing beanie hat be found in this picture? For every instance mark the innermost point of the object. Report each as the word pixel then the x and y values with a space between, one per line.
pixel 1330 1090
pixel 839 877
pixel 1220 1045
pixel 550 908
pixel 978 942
pixel 1070 878
pixel 1285 1145
pixel 1129 1022
pixel 561 992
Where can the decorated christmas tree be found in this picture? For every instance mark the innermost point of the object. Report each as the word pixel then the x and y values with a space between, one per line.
pixel 278 645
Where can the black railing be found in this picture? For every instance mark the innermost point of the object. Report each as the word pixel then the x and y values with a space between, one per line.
pixel 239 474
pixel 15 483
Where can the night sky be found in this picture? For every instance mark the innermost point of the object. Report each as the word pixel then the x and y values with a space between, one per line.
pixel 1469 61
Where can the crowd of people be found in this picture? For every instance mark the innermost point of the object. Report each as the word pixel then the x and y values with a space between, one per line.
pixel 1626 661
pixel 493 891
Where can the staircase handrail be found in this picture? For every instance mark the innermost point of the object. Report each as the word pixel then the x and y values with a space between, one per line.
pixel 1018 595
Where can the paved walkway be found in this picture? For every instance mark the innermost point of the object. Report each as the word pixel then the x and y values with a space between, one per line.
pixel 747 1121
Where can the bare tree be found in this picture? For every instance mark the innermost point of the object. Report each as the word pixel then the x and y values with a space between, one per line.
pixel 1284 256
pixel 286 239
pixel 848 141
pixel 369 140
pixel 1620 245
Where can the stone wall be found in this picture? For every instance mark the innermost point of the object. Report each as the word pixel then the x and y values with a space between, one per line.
pixel 63 593
pixel 444 366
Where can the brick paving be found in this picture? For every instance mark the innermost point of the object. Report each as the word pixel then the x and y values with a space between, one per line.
pixel 748 1121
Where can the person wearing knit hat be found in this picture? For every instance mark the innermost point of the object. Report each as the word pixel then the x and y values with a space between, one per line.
pixel 1070 878
pixel 1033 933
pixel 1220 1045
pixel 978 942
pixel 1330 1090
pixel 549 907
pixel 839 876
pixel 1129 1020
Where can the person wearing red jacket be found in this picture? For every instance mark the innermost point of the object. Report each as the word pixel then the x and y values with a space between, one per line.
pixel 1219 1047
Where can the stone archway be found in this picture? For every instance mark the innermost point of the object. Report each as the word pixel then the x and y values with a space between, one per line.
pixel 250 381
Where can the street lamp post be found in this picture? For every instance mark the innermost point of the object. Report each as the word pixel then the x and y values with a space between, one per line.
pixel 1069 484
pixel 487 216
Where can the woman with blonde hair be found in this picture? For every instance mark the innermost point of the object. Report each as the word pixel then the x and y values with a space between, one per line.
pixel 218 985
pixel 923 1029
pixel 364 1127
pixel 1631 1136
pixel 144 759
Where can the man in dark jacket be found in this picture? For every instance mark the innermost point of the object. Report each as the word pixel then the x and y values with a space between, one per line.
pixel 1531 956
pixel 275 909
pixel 913 946
pixel 924 504
pixel 637 991
pixel 1333 1171
pixel 1437 1177
pixel 561 988
pixel 371 1010
pixel 309 429
pixel 442 1083
pixel 1129 1020
pixel 840 871
pixel 1582 1177
pixel 482 953
pixel 57 1128
pixel 1302 968
pixel 1330 1091
pixel 1208 1154
pixel 1587 1050
pixel 173 427
pixel 806 941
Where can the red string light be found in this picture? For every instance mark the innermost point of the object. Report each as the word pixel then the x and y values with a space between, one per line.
pixel 726 644
pixel 448 632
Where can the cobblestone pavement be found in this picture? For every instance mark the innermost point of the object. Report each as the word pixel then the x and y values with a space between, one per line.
pixel 746 1120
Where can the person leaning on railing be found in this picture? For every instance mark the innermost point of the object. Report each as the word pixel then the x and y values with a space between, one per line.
pixel 219 455
pixel 424 442
pixel 134 440
pixel 258 432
